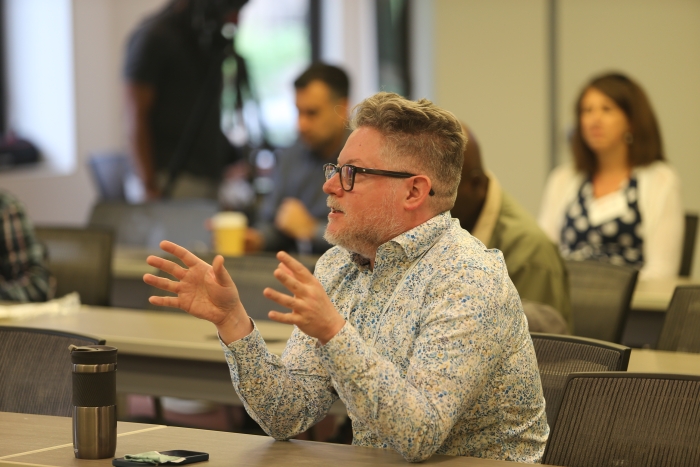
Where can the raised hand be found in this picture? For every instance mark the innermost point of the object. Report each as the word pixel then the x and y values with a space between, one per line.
pixel 312 311
pixel 295 220
pixel 203 290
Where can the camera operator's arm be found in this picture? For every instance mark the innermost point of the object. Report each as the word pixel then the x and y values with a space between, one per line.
pixel 139 102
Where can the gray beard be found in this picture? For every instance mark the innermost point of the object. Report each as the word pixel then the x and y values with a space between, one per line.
pixel 380 227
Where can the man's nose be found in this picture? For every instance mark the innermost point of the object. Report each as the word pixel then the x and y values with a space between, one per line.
pixel 303 123
pixel 332 185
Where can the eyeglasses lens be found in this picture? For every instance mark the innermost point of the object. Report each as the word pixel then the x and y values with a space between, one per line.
pixel 347 176
pixel 329 170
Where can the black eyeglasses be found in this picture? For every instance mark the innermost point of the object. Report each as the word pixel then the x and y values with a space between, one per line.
pixel 347 174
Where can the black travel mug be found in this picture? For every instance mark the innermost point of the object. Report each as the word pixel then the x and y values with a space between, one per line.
pixel 94 401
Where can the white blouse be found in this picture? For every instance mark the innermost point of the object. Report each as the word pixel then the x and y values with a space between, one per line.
pixel 660 206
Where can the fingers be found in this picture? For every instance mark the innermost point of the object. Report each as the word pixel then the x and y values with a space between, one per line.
pixel 223 278
pixel 160 283
pixel 166 266
pixel 286 318
pixel 286 278
pixel 173 302
pixel 185 256
pixel 280 298
pixel 298 269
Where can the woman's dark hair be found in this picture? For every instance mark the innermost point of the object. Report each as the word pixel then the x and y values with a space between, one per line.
pixel 645 146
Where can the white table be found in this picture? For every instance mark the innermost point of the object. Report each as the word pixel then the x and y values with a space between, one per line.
pixel 655 295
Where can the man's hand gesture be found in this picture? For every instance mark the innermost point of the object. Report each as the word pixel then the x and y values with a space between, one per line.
pixel 312 311
pixel 204 291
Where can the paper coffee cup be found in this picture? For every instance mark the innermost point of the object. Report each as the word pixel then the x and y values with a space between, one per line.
pixel 229 233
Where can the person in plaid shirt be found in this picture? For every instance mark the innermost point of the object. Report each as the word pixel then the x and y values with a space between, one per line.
pixel 24 276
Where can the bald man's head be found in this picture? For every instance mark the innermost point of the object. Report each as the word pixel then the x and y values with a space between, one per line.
pixel 472 190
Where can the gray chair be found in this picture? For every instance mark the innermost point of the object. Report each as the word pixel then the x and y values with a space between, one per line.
pixel 689 235
pixel 627 419
pixel 146 225
pixel 558 356
pixel 35 370
pixel 681 330
pixel 600 298
pixel 81 260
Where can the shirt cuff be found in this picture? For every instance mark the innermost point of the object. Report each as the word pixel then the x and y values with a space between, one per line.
pixel 252 344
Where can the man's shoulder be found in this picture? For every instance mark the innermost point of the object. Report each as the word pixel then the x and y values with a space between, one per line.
pixel 458 253
pixel 517 233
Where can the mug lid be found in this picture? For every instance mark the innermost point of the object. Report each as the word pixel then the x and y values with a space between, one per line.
pixel 92 354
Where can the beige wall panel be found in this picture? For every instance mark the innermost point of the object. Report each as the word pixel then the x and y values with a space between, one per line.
pixel 491 71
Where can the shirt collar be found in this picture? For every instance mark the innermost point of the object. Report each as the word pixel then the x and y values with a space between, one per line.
pixel 486 223
pixel 417 240
pixel 411 243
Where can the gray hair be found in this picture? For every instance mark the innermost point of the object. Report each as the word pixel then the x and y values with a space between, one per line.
pixel 421 138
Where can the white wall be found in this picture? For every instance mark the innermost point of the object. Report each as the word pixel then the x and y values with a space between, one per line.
pixel 39 54
pixel 491 71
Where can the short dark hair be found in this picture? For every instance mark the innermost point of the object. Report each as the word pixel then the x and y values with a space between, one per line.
pixel 646 145
pixel 335 78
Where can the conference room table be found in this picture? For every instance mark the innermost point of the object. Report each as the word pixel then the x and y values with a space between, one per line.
pixel 174 354
pixel 39 440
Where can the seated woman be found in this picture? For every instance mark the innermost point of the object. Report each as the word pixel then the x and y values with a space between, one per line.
pixel 620 202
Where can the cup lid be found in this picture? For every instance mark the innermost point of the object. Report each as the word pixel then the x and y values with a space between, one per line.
pixel 229 219
pixel 92 354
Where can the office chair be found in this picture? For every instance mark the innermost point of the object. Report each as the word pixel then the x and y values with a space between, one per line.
pixel 558 356
pixel 182 221
pixel 81 260
pixel 35 370
pixel 600 298
pixel 627 419
pixel 681 330
pixel 689 235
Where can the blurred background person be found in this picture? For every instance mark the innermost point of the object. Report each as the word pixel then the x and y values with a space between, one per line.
pixel 173 80
pixel 620 201
pixel 293 217
pixel 493 216
pixel 24 276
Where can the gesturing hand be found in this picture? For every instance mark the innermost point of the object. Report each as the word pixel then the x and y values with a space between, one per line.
pixel 312 310
pixel 204 291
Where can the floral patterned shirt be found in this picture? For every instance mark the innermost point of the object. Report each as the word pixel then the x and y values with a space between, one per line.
pixel 436 358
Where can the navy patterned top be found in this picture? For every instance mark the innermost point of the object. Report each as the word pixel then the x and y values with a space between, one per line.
pixel 446 367
pixel 613 236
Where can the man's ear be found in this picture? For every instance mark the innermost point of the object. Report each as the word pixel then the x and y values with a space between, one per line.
pixel 419 188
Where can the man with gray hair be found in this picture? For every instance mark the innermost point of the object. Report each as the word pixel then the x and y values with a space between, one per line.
pixel 408 319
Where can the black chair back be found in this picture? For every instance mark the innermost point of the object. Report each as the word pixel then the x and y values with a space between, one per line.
pixel 35 370
pixel 689 235
pixel 627 419
pixel 81 260
pixel 558 356
pixel 600 298
pixel 681 330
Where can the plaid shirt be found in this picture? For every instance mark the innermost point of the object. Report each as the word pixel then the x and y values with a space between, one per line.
pixel 23 273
